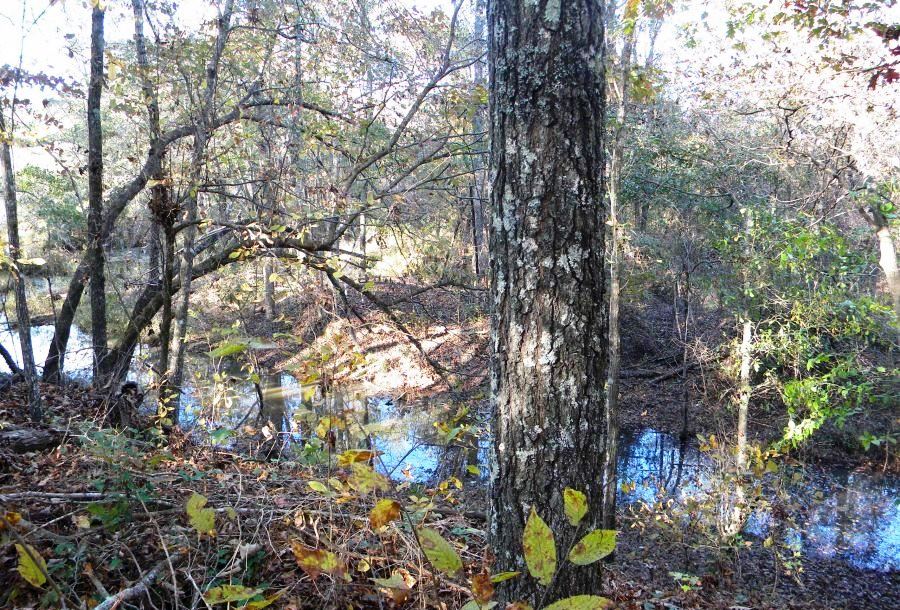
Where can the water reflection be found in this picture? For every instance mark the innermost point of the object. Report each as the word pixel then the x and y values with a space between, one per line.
pixel 850 516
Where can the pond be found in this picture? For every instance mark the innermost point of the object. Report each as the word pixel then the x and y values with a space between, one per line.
pixel 850 516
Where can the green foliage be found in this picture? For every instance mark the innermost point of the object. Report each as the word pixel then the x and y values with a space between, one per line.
pixel 438 551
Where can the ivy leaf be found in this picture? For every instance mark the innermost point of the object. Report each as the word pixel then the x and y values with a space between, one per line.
pixel 439 552
pixel 575 504
pixel 202 519
pixel 593 547
pixel 540 548
pixel 229 593
pixel 316 561
pixel 581 602
pixel 31 566
pixel 384 512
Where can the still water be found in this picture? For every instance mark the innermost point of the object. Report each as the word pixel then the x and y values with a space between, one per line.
pixel 850 516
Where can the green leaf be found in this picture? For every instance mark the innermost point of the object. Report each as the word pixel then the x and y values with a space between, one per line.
pixel 575 504
pixel 229 593
pixel 439 552
pixel 503 576
pixel 593 547
pixel 220 435
pixel 229 349
pixel 540 548
pixel 321 488
pixel 771 467
pixel 31 566
pixel 581 602
pixel 202 519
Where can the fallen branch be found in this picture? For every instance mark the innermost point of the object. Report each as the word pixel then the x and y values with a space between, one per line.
pixel 139 588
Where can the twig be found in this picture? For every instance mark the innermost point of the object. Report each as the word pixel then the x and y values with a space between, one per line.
pixel 139 588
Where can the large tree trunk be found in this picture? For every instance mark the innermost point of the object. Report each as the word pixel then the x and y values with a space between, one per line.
pixel 548 287
pixel 15 253
pixel 95 199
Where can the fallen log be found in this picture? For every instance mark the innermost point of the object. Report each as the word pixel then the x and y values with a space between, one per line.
pixel 23 440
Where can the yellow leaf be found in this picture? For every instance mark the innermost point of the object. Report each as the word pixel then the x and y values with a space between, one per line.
pixel 581 602
pixel 593 547
pixel 315 561
pixel 355 455
pixel 383 513
pixel 10 517
pixel 364 479
pixel 229 593
pixel 575 505
pixel 540 548
pixel 202 519
pixel 32 566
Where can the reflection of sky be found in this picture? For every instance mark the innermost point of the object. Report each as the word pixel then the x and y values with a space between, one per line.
pixel 851 516
pixel 78 360
pixel 856 519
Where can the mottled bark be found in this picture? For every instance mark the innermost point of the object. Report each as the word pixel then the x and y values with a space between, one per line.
pixel 96 238
pixel 548 285
pixel 14 249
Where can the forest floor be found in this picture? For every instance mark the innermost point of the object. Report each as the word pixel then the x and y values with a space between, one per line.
pixel 108 517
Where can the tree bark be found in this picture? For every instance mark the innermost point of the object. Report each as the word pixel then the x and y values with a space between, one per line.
pixel 96 238
pixel 746 350
pixel 476 192
pixel 617 154
pixel 35 410
pixel 548 286
pixel 887 259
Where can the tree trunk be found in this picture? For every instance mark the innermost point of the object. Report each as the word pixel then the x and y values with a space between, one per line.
pixel 15 253
pixel 479 243
pixel 201 140
pixel 548 287
pixel 744 394
pixel 95 200
pixel 745 389
pixel 888 257
pixel 617 155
